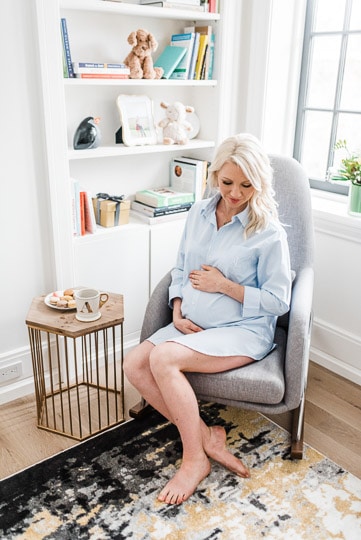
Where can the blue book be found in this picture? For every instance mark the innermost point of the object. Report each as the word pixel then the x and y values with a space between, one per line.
pixel 169 59
pixel 183 40
pixel 66 47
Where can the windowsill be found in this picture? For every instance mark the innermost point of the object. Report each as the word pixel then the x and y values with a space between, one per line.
pixel 331 216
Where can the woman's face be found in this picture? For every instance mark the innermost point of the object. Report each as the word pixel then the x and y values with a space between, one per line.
pixel 235 188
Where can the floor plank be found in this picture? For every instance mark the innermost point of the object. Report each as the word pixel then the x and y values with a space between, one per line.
pixel 332 426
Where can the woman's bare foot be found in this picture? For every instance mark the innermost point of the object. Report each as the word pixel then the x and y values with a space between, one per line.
pixel 185 481
pixel 215 447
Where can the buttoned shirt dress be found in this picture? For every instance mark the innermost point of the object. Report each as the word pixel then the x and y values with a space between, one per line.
pixel 260 262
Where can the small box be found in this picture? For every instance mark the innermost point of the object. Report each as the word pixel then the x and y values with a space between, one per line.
pixel 110 213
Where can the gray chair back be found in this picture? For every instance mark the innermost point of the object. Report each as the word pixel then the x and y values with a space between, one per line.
pixel 293 196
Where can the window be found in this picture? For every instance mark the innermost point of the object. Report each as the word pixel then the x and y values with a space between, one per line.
pixel 329 105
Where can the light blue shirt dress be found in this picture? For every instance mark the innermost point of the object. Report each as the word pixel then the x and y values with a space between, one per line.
pixel 260 262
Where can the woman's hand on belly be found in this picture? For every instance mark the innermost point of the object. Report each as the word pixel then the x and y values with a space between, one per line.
pixel 186 326
pixel 208 279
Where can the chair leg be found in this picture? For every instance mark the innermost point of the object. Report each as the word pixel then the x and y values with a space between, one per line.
pixel 140 409
pixel 297 430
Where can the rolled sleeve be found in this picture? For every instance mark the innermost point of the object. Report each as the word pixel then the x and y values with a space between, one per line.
pixel 251 302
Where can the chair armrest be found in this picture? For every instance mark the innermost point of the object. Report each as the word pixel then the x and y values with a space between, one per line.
pixel 157 313
pixel 299 335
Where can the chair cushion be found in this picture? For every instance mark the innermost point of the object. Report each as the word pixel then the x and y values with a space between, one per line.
pixel 259 382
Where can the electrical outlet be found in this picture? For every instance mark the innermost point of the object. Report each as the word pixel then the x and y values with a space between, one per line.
pixel 11 371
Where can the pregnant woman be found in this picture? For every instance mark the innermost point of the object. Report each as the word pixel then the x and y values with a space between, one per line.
pixel 231 281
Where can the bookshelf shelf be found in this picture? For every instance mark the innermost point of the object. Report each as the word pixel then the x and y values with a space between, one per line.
pixel 123 8
pixel 143 83
pixel 122 150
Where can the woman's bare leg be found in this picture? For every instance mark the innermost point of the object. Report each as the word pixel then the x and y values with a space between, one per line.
pixel 198 439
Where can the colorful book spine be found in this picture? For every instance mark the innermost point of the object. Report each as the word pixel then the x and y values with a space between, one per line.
pixel 207 31
pixel 203 41
pixel 66 46
pixel 211 57
pixel 83 67
pixel 101 76
pixel 98 65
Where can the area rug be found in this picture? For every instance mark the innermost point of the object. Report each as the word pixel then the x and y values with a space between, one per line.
pixel 106 488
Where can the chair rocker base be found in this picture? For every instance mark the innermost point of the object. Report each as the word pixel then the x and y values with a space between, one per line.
pixel 140 410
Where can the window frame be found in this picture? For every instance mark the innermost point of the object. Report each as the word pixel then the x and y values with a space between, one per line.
pixel 336 110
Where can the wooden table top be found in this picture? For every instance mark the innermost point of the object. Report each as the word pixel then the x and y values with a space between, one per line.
pixel 43 317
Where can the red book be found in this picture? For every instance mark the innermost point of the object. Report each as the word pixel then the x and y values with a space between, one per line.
pixel 102 76
pixel 82 213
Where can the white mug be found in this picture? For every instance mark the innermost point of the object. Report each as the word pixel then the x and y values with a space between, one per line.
pixel 88 304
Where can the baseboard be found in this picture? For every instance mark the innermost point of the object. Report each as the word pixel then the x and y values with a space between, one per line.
pixel 24 386
pixel 337 350
pixel 335 365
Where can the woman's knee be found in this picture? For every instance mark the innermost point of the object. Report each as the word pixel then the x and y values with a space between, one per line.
pixel 137 360
pixel 163 357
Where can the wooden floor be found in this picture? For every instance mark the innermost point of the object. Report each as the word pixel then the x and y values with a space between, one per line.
pixel 332 426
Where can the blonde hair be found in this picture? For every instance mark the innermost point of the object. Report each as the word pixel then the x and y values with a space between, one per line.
pixel 245 151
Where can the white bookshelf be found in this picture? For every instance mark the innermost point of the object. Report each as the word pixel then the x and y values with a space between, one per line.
pixel 98 31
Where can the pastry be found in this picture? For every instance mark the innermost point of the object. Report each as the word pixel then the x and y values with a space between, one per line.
pixel 68 292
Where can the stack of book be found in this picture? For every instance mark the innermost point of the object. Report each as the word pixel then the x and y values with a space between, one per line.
pixel 195 5
pixel 94 70
pixel 189 55
pixel 161 204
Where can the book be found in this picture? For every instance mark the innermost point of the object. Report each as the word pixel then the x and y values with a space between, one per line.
pixel 203 41
pixel 211 58
pixel 169 59
pixel 187 174
pixel 101 76
pixel 82 213
pixel 178 4
pixel 89 215
pixel 192 68
pixel 183 40
pixel 66 47
pixel 97 65
pixel 205 31
pixel 164 196
pixel 84 67
pixel 183 2
pixel 151 211
pixel 158 219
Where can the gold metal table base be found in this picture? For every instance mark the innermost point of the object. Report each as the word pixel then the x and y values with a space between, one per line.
pixel 78 372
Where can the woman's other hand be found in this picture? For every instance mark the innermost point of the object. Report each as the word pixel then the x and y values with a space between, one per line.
pixel 208 279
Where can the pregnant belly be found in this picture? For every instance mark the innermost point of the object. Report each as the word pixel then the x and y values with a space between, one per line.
pixel 210 310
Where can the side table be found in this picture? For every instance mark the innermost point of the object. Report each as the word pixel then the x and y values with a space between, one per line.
pixel 78 368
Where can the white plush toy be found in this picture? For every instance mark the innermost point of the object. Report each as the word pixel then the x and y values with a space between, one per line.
pixel 175 126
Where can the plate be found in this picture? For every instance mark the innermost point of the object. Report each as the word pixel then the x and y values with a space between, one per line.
pixel 57 293
pixel 193 119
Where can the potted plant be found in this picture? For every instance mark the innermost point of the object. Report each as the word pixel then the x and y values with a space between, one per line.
pixel 349 171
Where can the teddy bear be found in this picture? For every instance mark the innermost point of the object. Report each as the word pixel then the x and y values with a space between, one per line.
pixel 139 60
pixel 175 126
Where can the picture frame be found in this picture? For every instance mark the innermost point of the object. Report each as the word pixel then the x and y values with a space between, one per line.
pixel 136 116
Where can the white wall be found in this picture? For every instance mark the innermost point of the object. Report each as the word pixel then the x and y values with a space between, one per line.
pixel 26 253
pixel 26 267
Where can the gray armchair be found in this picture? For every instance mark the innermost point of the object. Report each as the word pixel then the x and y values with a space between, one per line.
pixel 277 383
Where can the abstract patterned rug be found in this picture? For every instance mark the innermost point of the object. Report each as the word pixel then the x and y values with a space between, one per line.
pixel 106 488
